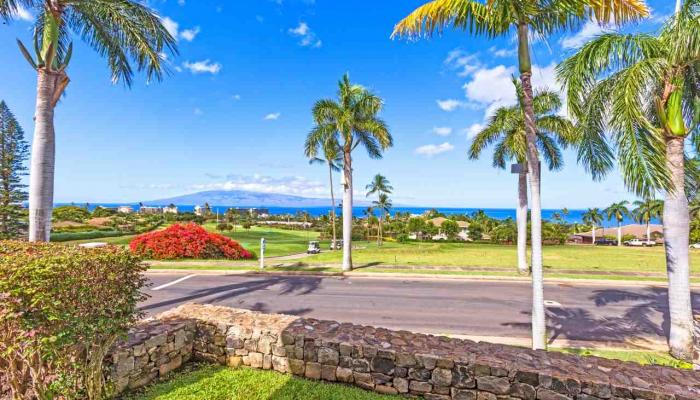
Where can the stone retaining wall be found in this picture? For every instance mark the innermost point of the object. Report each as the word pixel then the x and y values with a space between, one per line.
pixel 385 361
pixel 153 349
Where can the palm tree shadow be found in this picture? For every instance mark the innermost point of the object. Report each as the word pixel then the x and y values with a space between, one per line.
pixel 644 317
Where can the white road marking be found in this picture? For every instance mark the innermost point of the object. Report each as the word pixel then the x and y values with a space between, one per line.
pixel 176 281
pixel 551 303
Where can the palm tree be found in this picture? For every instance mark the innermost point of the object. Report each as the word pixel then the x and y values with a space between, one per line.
pixel 643 90
pixel 593 217
pixel 506 131
pixel 383 204
pixel 647 210
pixel 379 185
pixel 127 32
pixel 618 211
pixel 333 157
pixel 352 121
pixel 497 18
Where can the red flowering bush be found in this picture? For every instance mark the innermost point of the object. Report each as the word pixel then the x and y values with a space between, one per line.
pixel 187 241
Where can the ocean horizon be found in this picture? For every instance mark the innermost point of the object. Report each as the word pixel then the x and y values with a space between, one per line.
pixel 574 216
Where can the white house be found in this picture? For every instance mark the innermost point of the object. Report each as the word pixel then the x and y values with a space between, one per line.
pixel 170 209
pixel 125 209
pixel 199 210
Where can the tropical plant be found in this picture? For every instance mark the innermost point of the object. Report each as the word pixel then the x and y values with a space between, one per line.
pixel 380 185
pixel 644 91
pixel 495 18
pixel 13 154
pixel 646 210
pixel 383 205
pixel 333 158
pixel 618 211
pixel 127 32
pixel 506 132
pixel 187 241
pixel 352 120
pixel 450 228
pixel 594 218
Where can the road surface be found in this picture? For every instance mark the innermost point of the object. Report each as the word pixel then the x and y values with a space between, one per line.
pixel 490 310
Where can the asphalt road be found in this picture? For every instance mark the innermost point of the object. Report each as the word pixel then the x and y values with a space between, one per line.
pixel 605 314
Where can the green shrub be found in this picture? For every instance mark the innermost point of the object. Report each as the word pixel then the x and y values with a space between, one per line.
pixel 93 234
pixel 102 212
pixel 62 308
pixel 70 213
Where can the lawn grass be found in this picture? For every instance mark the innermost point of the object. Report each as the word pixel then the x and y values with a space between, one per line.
pixel 279 242
pixel 636 356
pixel 557 259
pixel 221 383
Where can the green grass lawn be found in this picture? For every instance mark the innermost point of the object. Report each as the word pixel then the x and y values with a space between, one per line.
pixel 637 356
pixel 221 383
pixel 279 242
pixel 558 259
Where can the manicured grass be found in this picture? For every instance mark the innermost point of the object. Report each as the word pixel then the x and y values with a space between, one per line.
pixel 115 240
pixel 561 259
pixel 83 236
pixel 220 383
pixel 279 242
pixel 637 356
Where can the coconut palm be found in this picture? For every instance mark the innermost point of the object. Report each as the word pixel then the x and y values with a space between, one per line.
pixel 128 33
pixel 497 18
pixel 642 90
pixel 647 210
pixel 352 121
pixel 618 211
pixel 379 185
pixel 383 204
pixel 506 131
pixel 333 157
pixel 594 218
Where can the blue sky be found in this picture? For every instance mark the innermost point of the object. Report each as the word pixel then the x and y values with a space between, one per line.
pixel 235 110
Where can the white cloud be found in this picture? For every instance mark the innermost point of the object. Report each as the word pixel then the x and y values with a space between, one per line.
pixel 189 34
pixel 465 63
pixel 236 97
pixel 272 116
pixel 502 52
pixel 24 14
pixel 434 149
pixel 307 38
pixel 473 130
pixel 442 130
pixel 204 66
pixel 294 185
pixel 181 2
pixel 173 29
pixel 449 104
pixel 589 31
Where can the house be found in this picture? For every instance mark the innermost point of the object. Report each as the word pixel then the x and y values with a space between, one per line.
pixel 125 209
pixel 463 233
pixel 198 211
pixel 171 209
pixel 636 230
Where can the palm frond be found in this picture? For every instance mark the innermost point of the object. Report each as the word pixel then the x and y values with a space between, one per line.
pixel 435 16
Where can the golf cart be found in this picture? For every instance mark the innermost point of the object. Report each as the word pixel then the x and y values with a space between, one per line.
pixel 314 248
pixel 336 244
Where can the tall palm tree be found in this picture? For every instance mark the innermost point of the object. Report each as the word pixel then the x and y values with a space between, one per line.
pixel 333 157
pixel 646 210
pixel 497 18
pixel 379 185
pixel 506 131
pixel 383 204
pixel 353 121
pixel 618 211
pixel 128 33
pixel 643 90
pixel 594 218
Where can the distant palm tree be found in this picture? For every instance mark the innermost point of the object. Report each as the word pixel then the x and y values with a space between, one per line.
pixel 352 120
pixel 647 210
pixel 379 185
pixel 383 204
pixel 618 211
pixel 593 217
pixel 333 157
pixel 524 20
pixel 506 131
pixel 129 34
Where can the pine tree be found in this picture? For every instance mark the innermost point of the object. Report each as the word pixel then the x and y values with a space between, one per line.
pixel 14 152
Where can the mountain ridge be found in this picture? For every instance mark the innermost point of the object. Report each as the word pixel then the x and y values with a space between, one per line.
pixel 245 198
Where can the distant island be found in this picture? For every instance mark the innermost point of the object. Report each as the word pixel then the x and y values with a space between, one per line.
pixel 244 198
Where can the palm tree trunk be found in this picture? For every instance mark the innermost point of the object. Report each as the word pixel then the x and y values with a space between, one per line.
pixel 678 6
pixel 379 231
pixel 648 231
pixel 347 211
pixel 41 179
pixel 330 178
pixel 539 339
pixel 521 220
pixel 676 233
pixel 593 234
pixel 619 233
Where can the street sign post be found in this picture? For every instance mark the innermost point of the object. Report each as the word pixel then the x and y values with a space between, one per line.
pixel 262 253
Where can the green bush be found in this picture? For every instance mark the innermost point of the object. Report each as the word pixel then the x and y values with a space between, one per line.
pixel 93 234
pixel 102 212
pixel 70 213
pixel 61 309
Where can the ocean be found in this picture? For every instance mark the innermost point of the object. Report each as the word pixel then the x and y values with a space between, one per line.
pixel 574 216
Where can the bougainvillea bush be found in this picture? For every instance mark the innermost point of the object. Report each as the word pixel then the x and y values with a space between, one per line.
pixel 61 309
pixel 187 241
